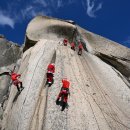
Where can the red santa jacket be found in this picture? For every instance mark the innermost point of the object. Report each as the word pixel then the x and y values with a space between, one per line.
pixel 66 83
pixel 14 76
pixel 51 68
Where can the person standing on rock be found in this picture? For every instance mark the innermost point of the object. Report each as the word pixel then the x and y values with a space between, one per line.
pixel 80 47
pixel 73 46
pixel 65 42
pixel 63 95
pixel 16 81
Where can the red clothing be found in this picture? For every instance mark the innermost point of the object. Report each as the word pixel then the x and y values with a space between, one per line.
pixel 72 44
pixel 66 84
pixel 14 76
pixel 51 68
pixel 65 93
pixel 49 77
pixel 65 41
pixel 16 82
pixel 64 90
pixel 80 46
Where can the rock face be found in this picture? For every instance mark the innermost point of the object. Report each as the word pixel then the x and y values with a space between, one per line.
pixel 47 28
pixel 100 94
pixel 10 53
pixel 111 52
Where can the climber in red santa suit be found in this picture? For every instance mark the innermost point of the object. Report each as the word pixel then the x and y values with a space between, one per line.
pixel 16 81
pixel 50 73
pixel 80 46
pixel 64 92
pixel 73 46
pixel 14 78
pixel 65 42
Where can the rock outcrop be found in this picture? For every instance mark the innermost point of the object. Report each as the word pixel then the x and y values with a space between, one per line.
pixel 110 52
pixel 10 53
pixel 100 94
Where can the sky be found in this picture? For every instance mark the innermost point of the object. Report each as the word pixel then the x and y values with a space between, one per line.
pixel 108 18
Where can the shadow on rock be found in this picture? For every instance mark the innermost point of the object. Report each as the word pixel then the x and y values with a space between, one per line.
pixel 16 96
pixel 63 105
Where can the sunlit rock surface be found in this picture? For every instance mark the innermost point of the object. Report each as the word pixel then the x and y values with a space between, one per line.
pixel 100 94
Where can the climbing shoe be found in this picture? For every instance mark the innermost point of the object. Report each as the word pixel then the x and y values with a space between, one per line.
pixel 57 102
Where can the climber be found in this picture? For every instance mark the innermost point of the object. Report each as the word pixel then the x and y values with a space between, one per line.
pixel 14 78
pixel 80 46
pixel 50 73
pixel 64 93
pixel 73 46
pixel 16 82
pixel 65 42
